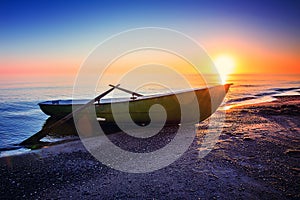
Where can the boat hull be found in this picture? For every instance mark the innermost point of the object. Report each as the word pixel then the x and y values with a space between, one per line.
pixel 138 109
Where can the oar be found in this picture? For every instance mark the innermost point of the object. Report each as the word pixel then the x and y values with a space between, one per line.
pixel 125 90
pixel 42 133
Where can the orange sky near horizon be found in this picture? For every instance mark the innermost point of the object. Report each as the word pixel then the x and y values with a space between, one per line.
pixel 250 58
pixel 255 56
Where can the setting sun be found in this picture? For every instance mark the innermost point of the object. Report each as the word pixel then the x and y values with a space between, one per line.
pixel 225 65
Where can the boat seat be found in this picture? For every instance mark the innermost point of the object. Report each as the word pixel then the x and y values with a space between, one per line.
pixel 55 102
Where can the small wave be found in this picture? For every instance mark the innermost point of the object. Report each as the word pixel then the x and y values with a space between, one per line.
pixel 286 89
pixel 240 99
pixel 293 82
pixel 9 148
pixel 248 85
pixel 265 94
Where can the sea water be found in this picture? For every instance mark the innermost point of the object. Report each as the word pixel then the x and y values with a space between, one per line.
pixel 20 116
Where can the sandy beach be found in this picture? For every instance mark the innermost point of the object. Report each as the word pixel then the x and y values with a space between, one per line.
pixel 256 157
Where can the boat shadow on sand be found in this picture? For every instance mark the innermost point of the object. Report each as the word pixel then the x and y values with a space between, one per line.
pixel 52 135
pixel 65 132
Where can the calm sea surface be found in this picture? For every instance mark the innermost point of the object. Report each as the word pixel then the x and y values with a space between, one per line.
pixel 21 117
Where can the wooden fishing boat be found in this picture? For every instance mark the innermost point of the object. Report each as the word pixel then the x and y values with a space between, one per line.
pixel 138 105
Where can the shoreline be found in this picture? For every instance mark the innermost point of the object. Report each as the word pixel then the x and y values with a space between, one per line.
pixel 256 156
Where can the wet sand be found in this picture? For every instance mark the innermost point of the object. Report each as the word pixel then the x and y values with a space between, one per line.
pixel 257 156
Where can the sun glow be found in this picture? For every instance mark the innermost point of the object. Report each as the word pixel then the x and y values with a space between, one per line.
pixel 225 65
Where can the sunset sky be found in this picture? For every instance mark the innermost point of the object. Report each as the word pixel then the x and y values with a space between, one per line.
pixel 54 37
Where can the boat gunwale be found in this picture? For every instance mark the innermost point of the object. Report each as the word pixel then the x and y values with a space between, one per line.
pixel 47 103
